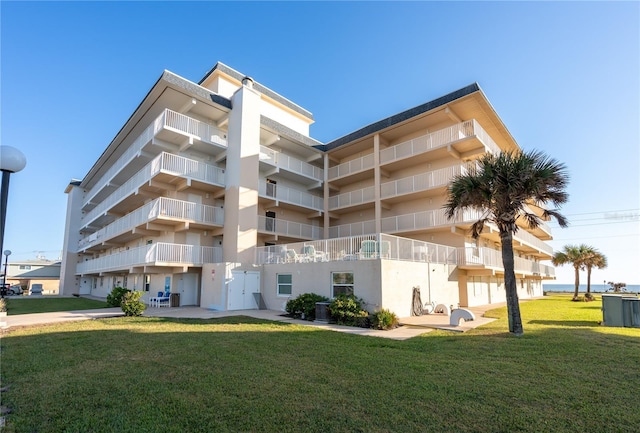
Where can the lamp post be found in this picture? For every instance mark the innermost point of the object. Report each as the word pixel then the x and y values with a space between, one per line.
pixel 11 161
pixel 3 292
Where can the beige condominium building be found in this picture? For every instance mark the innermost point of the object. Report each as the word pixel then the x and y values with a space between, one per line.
pixel 215 191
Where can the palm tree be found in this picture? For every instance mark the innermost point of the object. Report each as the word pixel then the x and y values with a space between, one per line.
pixel 500 187
pixel 593 259
pixel 576 255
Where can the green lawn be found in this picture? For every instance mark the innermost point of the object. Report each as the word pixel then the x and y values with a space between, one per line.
pixel 566 374
pixel 48 304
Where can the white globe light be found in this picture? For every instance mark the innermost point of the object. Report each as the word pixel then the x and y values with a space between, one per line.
pixel 11 159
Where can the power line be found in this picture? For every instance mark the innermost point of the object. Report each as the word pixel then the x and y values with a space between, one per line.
pixel 605 211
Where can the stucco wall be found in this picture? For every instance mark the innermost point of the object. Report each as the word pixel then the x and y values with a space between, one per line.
pixel 381 283
pixel 316 278
pixel 437 284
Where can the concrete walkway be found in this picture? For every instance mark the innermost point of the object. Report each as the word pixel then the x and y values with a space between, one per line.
pixel 410 326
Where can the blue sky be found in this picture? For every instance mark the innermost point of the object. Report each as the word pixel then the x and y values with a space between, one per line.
pixel 563 76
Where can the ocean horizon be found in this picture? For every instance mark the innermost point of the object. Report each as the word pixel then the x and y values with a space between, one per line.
pixel 595 288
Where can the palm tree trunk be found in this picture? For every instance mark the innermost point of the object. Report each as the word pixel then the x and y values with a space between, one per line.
pixel 588 296
pixel 510 284
pixel 577 283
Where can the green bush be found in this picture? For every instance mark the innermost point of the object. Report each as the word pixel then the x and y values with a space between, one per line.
pixel 132 305
pixel 384 319
pixel 114 299
pixel 347 310
pixel 304 306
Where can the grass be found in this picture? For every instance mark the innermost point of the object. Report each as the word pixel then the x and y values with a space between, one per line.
pixel 566 374
pixel 47 304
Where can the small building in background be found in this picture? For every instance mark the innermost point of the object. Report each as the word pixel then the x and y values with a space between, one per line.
pixel 26 273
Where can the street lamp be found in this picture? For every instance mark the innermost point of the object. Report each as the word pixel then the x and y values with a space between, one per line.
pixel 11 161
pixel 6 253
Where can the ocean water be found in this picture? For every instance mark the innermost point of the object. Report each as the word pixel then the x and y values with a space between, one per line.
pixel 595 288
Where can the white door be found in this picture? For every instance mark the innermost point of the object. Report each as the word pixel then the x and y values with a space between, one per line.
pixel 188 288
pixel 243 290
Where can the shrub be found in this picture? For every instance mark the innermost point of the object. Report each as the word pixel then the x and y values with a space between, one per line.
pixel 304 306
pixel 347 310
pixel 114 299
pixel 384 319
pixel 132 305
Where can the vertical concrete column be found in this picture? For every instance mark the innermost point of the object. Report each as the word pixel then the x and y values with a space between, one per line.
pixel 69 282
pixel 243 157
pixel 376 182
pixel 325 204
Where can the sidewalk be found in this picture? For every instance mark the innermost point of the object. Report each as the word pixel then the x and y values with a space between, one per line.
pixel 410 326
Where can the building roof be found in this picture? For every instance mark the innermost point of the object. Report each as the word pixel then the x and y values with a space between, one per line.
pixel 402 116
pixel 258 87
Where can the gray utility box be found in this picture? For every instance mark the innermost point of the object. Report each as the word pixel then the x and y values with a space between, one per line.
pixel 174 299
pixel 631 312
pixel 322 312
pixel 621 310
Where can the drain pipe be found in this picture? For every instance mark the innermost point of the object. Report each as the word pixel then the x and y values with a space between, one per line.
pixel 429 280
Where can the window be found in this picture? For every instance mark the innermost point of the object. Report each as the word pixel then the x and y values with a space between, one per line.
pixel 147 282
pixel 284 284
pixel 25 267
pixel 341 283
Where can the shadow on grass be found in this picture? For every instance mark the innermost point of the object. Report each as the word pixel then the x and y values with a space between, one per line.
pixel 250 369
pixel 566 323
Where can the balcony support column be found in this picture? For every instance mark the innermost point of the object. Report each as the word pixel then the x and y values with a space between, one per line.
pixel 376 183
pixel 325 205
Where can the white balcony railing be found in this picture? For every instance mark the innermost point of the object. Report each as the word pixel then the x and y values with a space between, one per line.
pixel 165 163
pixel 437 218
pixel 421 182
pixel 438 139
pixel 288 228
pixel 426 219
pixel 159 208
pixel 289 163
pixel 525 237
pixel 486 257
pixel 352 198
pixel 290 195
pixel 354 229
pixel 167 120
pixel 195 128
pixel 160 254
pixel 365 247
pixel 351 167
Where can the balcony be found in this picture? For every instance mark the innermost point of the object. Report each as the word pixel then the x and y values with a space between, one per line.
pixel 292 196
pixel 175 127
pixel 522 240
pixel 349 200
pixel 290 167
pixel 485 259
pixel 160 254
pixel 421 185
pixel 366 247
pixel 170 126
pixel 354 229
pixel 161 210
pixel 359 166
pixel 166 168
pixel 426 220
pixel 286 228
pixel 463 140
